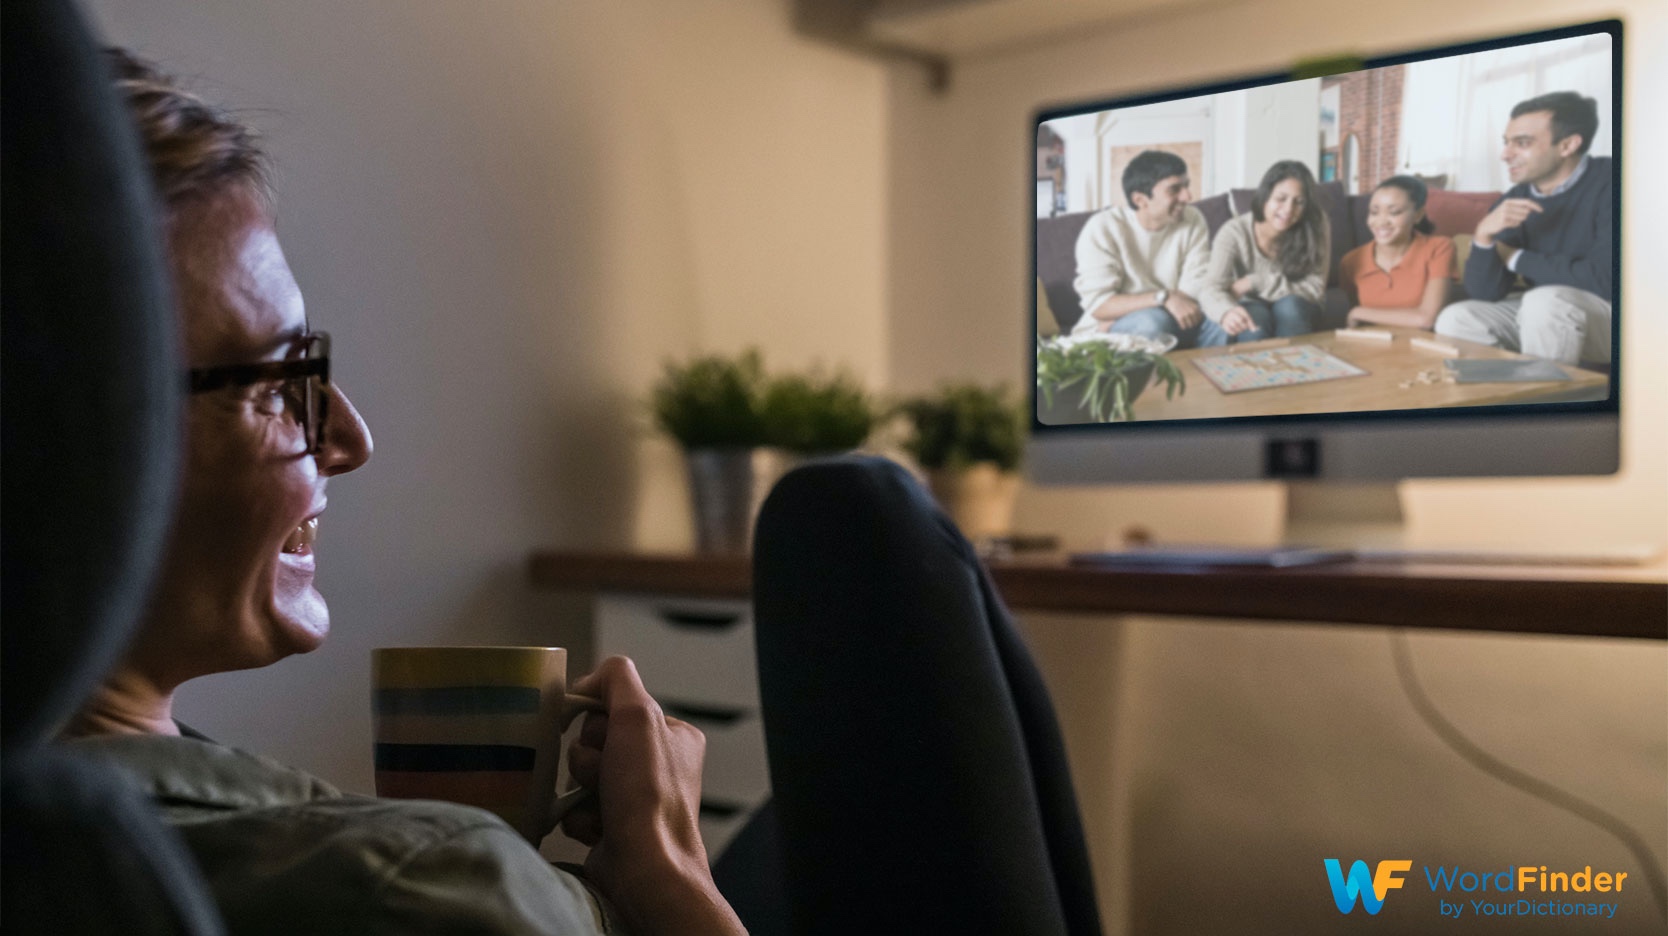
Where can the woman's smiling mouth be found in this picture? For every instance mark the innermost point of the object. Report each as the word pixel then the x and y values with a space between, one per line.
pixel 301 539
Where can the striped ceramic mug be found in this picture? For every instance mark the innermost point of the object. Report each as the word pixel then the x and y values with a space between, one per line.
pixel 480 726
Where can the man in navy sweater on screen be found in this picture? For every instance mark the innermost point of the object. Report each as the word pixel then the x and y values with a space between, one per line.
pixel 1553 228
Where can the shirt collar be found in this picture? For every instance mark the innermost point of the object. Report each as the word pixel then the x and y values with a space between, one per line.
pixel 186 771
pixel 1568 183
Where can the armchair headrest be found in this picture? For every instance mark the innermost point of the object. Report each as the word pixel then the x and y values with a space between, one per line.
pixel 90 377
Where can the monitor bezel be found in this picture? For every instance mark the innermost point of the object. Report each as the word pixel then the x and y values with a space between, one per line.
pixel 1611 405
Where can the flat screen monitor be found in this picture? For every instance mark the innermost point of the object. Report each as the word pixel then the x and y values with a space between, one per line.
pixel 1358 271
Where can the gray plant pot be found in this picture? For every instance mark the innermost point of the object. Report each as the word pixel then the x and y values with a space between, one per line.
pixel 1068 406
pixel 726 488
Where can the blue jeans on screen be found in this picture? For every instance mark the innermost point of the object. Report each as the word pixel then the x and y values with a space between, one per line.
pixel 1290 315
pixel 1155 322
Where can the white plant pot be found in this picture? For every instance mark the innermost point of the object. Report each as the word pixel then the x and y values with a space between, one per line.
pixel 980 499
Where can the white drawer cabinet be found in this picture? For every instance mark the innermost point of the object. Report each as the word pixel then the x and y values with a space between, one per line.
pixel 696 656
pixel 736 770
pixel 696 651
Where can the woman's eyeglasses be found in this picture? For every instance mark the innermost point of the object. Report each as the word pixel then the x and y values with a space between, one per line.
pixel 302 380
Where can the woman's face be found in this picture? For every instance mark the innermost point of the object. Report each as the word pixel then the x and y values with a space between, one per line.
pixel 1391 216
pixel 236 589
pixel 1284 205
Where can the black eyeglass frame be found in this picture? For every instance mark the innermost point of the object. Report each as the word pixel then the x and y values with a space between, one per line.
pixel 313 369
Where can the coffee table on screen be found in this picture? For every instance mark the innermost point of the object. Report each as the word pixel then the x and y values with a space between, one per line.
pixel 1392 381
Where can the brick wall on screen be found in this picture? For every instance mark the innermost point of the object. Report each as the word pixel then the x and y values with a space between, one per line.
pixel 1370 109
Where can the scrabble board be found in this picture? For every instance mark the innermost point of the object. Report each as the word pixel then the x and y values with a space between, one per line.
pixel 1275 367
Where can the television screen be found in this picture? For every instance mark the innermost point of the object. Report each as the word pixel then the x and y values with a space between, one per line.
pixel 1435 233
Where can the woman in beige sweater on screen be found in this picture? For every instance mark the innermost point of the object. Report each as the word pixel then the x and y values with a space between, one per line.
pixel 1267 274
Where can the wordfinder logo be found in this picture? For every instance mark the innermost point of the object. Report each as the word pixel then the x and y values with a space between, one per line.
pixel 1370 886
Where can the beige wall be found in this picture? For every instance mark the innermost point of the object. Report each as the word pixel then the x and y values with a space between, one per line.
pixel 1219 763
pixel 509 214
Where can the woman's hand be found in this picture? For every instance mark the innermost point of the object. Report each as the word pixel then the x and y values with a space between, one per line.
pixel 1242 287
pixel 1237 321
pixel 646 854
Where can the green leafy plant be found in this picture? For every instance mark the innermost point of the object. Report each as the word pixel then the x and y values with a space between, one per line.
pixel 810 414
pixel 712 402
pixel 963 424
pixel 1104 372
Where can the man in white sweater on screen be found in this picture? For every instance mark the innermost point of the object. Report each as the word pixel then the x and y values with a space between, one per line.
pixel 1141 265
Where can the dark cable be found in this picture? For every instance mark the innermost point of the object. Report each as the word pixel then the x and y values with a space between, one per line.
pixel 1511 776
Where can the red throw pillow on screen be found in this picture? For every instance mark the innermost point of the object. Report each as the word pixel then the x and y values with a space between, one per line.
pixel 1458 212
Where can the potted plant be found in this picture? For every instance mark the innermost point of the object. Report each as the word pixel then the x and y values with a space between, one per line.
pixel 712 407
pixel 969 440
pixel 1097 378
pixel 817 414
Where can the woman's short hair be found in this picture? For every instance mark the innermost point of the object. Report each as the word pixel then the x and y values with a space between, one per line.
pixel 1416 194
pixel 1302 247
pixel 195 150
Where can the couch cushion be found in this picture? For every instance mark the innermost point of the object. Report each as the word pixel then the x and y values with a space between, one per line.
pixel 1217 211
pixel 1047 324
pixel 1057 264
pixel 1458 212
pixel 1335 202
pixel 1358 232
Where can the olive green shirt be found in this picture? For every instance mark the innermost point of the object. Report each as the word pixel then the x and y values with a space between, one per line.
pixel 286 853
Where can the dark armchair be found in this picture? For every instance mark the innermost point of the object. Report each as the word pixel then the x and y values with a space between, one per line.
pixel 91 393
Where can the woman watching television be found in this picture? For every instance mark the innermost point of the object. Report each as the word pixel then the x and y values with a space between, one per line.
pixel 265 430
pixel 1267 274
pixel 1402 276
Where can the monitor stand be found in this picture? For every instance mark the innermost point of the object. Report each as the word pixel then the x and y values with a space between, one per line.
pixel 1367 519
pixel 1330 522
pixel 1325 523
pixel 1344 515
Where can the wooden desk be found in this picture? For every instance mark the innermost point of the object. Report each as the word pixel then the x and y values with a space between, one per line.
pixel 1614 601
pixel 1389 365
pixel 687 622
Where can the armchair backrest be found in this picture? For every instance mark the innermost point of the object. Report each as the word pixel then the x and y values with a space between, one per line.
pixel 91 387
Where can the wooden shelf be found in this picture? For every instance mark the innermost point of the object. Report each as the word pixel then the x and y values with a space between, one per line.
pixel 1608 601
pixel 702 576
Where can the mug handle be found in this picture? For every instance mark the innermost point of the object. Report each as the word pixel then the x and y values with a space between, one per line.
pixel 572 706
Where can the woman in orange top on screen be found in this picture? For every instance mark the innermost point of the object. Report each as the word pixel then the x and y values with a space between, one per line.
pixel 1401 276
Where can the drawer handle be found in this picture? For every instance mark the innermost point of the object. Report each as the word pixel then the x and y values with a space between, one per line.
pixel 711 714
pixel 720 809
pixel 701 620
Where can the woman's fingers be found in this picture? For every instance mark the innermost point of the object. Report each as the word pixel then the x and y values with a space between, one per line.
pixel 594 729
pixel 646 769
pixel 585 763
pixel 614 681
pixel 583 825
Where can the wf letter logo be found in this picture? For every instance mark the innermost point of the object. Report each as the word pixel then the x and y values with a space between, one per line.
pixel 1370 887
